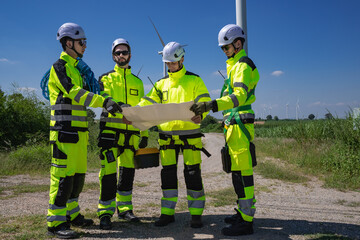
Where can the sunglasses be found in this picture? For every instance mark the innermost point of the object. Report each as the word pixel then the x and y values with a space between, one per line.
pixel 124 53
pixel 82 42
pixel 225 48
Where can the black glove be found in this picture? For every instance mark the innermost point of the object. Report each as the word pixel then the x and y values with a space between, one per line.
pixel 143 142
pixel 111 106
pixel 201 107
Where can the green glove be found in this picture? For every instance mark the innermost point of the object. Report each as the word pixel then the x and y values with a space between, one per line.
pixel 201 107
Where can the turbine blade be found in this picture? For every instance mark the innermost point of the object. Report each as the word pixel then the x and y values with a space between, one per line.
pixel 162 42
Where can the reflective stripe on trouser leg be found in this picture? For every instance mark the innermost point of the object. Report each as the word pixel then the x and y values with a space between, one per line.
pixel 67 160
pixel 195 190
pixel 168 201
pixel 169 186
pixel 196 201
pixel 73 208
pixel 124 200
pixel 243 182
pixel 107 179
pixel 124 187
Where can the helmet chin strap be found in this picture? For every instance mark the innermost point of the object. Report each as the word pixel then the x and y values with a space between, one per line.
pixel 73 48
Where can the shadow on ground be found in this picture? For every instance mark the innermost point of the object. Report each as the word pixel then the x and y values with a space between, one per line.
pixel 264 228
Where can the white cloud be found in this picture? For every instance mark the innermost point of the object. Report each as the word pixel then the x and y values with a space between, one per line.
pixel 215 92
pixel 277 73
pixel 4 60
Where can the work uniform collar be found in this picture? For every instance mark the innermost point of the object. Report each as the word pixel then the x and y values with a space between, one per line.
pixel 67 58
pixel 178 74
pixel 122 71
pixel 236 58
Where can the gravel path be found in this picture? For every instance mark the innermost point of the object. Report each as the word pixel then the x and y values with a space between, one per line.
pixel 284 210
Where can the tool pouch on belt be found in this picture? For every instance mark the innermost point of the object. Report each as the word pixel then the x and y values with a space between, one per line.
pixel 68 137
pixel 107 140
pixel 253 154
pixel 226 159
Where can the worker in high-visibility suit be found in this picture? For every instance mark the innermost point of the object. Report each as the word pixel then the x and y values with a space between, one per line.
pixel 118 140
pixel 235 102
pixel 69 133
pixel 175 136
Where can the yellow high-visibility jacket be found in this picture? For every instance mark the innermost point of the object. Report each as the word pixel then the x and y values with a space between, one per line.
pixel 68 99
pixel 243 79
pixel 123 87
pixel 178 87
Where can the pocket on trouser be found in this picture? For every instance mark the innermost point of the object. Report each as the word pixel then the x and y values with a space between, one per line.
pixel 226 159
pixel 253 154
pixel 108 161
pixel 68 137
pixel 192 157
pixel 58 161
pixel 107 139
pixel 238 149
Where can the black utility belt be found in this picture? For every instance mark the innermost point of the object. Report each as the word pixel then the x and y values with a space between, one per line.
pixel 181 137
pixel 244 121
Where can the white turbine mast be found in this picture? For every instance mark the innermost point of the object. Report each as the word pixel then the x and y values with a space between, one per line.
pixel 287 110
pixel 297 109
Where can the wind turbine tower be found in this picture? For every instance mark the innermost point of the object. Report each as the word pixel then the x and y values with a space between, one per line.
pixel 297 109
pixel 287 111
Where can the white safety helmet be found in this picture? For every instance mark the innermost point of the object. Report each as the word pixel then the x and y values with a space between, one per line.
pixel 229 33
pixel 118 42
pixel 71 30
pixel 172 52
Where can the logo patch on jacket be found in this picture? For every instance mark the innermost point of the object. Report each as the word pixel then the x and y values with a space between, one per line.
pixel 165 95
pixel 134 92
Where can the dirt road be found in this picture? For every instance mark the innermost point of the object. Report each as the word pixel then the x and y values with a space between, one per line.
pixel 284 210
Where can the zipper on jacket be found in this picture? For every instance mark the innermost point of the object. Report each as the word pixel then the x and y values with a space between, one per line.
pixel 125 92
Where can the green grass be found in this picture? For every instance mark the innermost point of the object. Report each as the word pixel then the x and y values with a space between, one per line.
pixel 16 190
pixel 25 228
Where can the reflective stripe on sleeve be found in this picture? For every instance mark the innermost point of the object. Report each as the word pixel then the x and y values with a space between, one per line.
pixel 79 95
pixel 201 96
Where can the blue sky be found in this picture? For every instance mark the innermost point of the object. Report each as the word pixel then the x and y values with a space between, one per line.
pixel 306 51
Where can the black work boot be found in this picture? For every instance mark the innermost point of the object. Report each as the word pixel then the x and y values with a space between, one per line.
pixel 129 216
pixel 81 221
pixel 105 222
pixel 196 221
pixel 62 231
pixel 164 220
pixel 239 227
pixel 233 218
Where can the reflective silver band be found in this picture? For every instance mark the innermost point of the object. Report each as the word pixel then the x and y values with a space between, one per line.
pixel 235 100
pixel 88 99
pixel 195 194
pixel 170 193
pixel 108 202
pixel 75 210
pixel 201 96
pixel 245 206
pixel 181 132
pixel 123 203
pixel 58 166
pixel 242 85
pixel 150 100
pixel 68 107
pixel 73 200
pixel 113 120
pixel 124 193
pixel 56 218
pixel 168 204
pixel 196 203
pixel 79 95
pixel 68 118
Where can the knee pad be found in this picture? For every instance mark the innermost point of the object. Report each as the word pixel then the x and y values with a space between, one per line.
pixel 108 187
pixel 169 177
pixel 126 178
pixel 192 174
